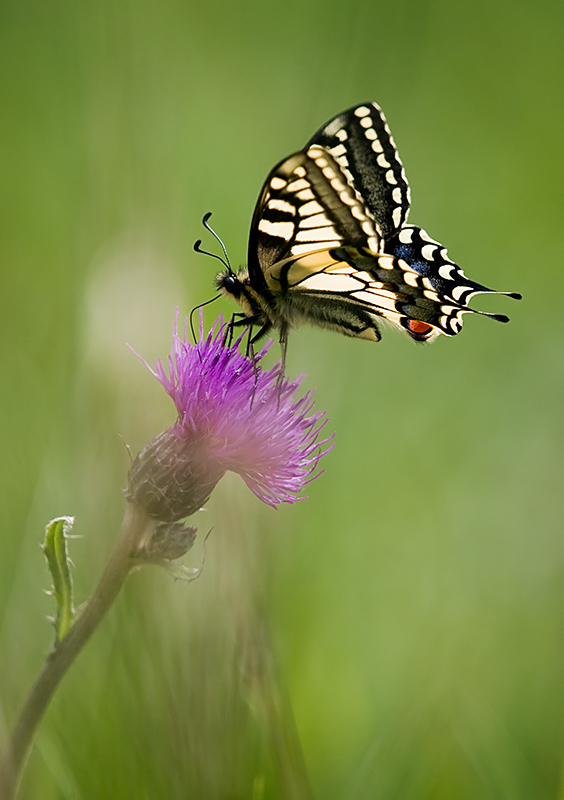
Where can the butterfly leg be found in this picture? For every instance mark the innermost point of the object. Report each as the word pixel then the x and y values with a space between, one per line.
pixel 237 320
pixel 250 351
pixel 284 352
pixel 262 331
pixel 284 348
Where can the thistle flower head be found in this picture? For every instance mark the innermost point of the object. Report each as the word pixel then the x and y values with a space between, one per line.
pixel 232 415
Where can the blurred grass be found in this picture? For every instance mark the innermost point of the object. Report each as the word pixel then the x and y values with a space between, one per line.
pixel 416 599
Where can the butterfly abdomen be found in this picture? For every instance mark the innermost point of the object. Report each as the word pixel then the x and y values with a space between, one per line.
pixel 332 313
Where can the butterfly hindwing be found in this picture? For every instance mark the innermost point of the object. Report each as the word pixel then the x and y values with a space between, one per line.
pixel 441 275
pixel 360 140
pixel 348 289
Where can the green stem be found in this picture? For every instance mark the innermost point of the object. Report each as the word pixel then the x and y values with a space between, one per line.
pixel 270 699
pixel 133 530
pixel 282 735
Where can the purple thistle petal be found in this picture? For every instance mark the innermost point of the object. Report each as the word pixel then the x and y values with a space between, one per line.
pixel 244 418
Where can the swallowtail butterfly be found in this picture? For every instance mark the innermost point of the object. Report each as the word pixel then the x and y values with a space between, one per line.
pixel 330 244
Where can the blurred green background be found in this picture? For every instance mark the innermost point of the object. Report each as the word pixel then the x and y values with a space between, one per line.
pixel 415 603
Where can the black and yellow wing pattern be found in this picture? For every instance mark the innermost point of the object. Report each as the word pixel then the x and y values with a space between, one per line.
pixel 330 244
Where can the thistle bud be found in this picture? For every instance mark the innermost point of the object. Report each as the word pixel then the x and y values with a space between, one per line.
pixel 173 477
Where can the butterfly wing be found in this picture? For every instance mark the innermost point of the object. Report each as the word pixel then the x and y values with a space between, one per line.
pixel 429 259
pixel 349 289
pixel 306 204
pixel 360 140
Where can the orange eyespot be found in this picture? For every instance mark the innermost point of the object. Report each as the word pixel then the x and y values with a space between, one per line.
pixel 415 326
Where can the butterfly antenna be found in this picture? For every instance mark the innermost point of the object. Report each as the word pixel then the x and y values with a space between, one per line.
pixel 206 225
pixel 197 308
pixel 197 245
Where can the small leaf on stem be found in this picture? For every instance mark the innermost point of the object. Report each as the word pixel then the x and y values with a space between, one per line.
pixel 55 551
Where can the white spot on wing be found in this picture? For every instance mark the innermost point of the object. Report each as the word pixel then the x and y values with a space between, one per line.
pixel 337 185
pixel 348 270
pixel 329 282
pixel 460 290
pixel 296 186
pixel 302 249
pixel 312 207
pixel 362 111
pixel 281 205
pixel 315 221
pixel 410 279
pixel 428 251
pixel 282 230
pixel 378 299
pixel 364 276
pixel 317 234
pixel 445 271
pixel 405 235
pixel 277 183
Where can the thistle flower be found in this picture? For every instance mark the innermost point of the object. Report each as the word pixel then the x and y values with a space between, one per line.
pixel 232 415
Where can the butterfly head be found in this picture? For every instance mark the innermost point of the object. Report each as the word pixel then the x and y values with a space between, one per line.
pixel 238 286
pixel 229 284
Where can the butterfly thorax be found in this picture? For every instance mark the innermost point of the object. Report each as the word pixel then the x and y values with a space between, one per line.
pixel 258 307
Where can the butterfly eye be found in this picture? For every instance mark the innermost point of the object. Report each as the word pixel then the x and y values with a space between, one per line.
pixel 231 285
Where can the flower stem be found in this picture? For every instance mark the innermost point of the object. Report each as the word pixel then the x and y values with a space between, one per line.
pixel 133 529
pixel 270 699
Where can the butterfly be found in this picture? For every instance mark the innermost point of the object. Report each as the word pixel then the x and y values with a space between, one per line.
pixel 330 244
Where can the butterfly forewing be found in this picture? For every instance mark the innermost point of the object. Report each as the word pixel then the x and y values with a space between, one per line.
pixel 360 140
pixel 306 204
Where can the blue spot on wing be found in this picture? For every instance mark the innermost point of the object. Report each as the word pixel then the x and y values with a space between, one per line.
pixel 409 254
